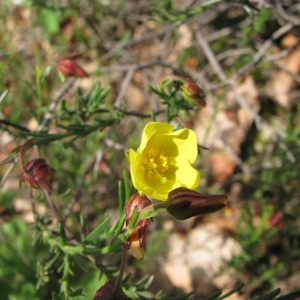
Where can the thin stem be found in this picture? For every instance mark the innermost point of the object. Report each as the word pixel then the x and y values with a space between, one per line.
pixel 7 172
pixel 48 116
pixel 115 290
pixel 53 206
pixel 8 123
pixel 22 153
pixel 79 187
pixel 141 115
pixel 33 206
pixel 56 212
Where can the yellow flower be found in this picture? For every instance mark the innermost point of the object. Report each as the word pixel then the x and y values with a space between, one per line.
pixel 163 160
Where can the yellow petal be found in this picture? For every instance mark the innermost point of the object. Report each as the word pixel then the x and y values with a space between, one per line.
pixel 160 191
pixel 152 129
pixel 181 143
pixel 188 176
pixel 135 166
pixel 136 250
pixel 186 142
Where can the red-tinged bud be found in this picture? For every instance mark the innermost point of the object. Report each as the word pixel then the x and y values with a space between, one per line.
pixel 193 93
pixel 70 68
pixel 137 239
pixel 37 173
pixel 190 91
pixel 7 110
pixel 183 203
pixel 276 220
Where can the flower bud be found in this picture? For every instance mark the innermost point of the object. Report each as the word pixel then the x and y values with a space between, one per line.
pixel 276 220
pixel 183 203
pixel 190 91
pixel 137 239
pixel 70 68
pixel 193 93
pixel 38 174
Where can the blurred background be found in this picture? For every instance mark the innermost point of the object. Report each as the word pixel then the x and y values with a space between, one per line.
pixel 246 57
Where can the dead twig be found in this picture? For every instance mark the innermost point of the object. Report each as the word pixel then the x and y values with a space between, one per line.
pixel 79 187
pixel 263 49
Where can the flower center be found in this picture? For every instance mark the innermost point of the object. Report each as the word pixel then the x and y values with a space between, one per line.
pixel 155 163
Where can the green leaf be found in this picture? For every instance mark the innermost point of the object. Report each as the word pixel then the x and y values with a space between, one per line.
pixel 240 286
pixel 76 292
pixel 55 296
pixel 146 281
pixel 262 18
pixel 83 226
pixel 147 213
pixel 290 296
pixel 99 230
pixel 62 234
pixel 122 197
pixel 83 262
pixel 3 96
pixel 118 227
pixel 127 185
pixel 270 295
pixel 50 263
pixel 50 19
pixel 145 294
pixel 214 296
pixel 45 74
pixel 133 219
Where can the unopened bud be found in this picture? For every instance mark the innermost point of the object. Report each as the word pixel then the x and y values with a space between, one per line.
pixel 183 203
pixel 70 68
pixel 190 91
pixel 276 220
pixel 193 93
pixel 37 173
pixel 137 239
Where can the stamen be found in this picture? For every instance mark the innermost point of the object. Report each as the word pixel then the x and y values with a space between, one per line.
pixel 155 163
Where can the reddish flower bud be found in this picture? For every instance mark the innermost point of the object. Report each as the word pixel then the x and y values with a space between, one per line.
pixel 190 91
pixel 37 173
pixel 183 203
pixel 276 220
pixel 70 68
pixel 193 93
pixel 137 240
